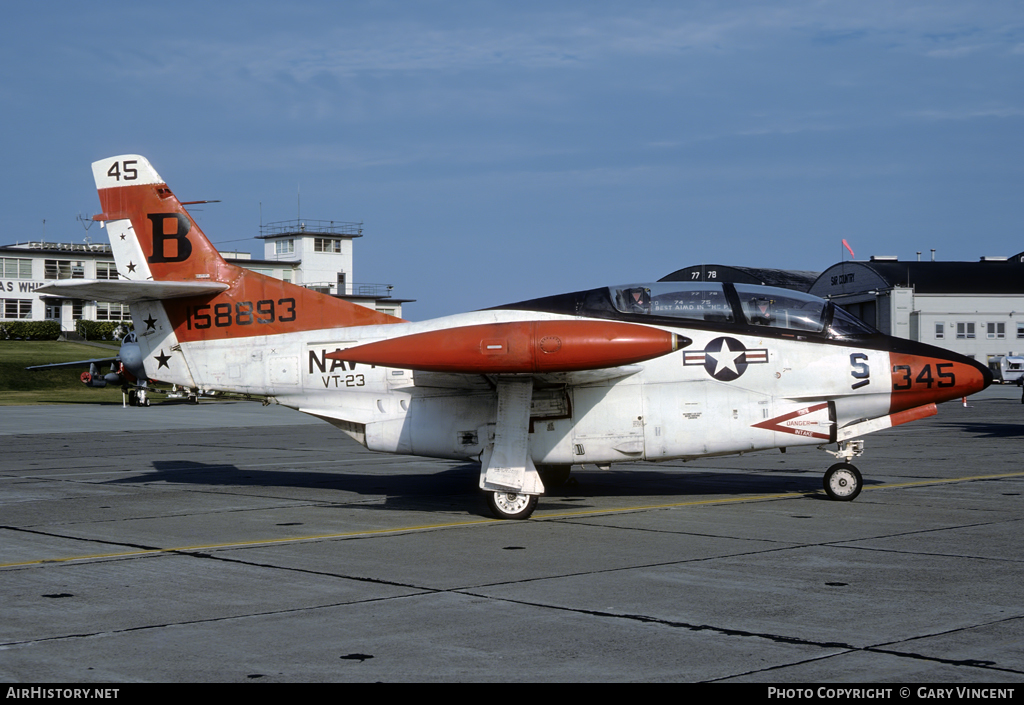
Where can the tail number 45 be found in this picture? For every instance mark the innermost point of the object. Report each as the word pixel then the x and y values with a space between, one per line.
pixel 124 170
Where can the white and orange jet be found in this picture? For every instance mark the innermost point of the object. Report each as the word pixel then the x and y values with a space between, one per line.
pixel 640 372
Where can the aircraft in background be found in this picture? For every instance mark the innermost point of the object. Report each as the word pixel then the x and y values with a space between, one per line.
pixel 639 372
pixel 126 369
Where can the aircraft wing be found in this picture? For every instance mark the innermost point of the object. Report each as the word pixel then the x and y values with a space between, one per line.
pixel 454 380
pixel 125 291
pixel 76 363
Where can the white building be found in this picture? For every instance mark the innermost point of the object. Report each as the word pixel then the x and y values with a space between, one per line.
pixel 314 254
pixel 320 251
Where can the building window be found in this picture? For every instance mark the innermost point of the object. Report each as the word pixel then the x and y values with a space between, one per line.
pixel 17 308
pixel 284 247
pixel 1020 329
pixel 112 312
pixel 15 268
pixel 326 244
pixel 940 331
pixel 63 269
pixel 964 330
pixel 106 270
pixel 996 331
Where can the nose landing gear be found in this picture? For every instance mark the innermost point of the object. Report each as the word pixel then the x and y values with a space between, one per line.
pixel 843 481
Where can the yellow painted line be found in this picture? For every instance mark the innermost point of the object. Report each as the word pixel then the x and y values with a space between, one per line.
pixel 244 544
pixel 478 522
pixel 783 495
pixel 946 482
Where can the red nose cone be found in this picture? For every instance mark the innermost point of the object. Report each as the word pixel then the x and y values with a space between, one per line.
pixel 919 380
pixel 518 347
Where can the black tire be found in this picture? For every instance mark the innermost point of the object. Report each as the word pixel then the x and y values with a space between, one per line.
pixel 554 475
pixel 510 505
pixel 843 482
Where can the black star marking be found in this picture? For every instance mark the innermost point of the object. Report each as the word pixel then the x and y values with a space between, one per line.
pixel 131 266
pixel 122 236
pixel 162 359
pixel 151 323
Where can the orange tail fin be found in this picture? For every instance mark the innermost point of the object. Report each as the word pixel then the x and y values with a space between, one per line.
pixel 171 247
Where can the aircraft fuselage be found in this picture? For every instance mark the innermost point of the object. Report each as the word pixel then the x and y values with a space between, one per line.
pixel 727 391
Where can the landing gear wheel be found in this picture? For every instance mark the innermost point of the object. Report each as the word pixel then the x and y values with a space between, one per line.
pixel 842 482
pixel 511 505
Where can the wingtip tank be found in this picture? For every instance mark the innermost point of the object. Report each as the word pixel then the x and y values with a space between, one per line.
pixel 519 347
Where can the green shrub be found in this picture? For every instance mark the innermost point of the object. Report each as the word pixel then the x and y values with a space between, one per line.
pixel 102 330
pixel 30 330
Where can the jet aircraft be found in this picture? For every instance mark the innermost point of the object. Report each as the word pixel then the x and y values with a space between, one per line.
pixel 623 373
pixel 126 369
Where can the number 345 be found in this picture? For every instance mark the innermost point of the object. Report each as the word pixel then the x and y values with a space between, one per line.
pixel 902 376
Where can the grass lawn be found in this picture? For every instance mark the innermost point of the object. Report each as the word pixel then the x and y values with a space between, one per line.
pixel 18 386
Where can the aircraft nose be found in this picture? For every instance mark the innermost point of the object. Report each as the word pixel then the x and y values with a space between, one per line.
pixel 933 376
pixel 986 374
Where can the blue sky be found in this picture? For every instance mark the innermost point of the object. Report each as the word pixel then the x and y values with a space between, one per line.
pixel 499 151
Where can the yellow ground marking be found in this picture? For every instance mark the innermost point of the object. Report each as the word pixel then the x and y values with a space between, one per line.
pixel 477 522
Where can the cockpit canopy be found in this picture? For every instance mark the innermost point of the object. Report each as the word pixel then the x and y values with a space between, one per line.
pixel 738 303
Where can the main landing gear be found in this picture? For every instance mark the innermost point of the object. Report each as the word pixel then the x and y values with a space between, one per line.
pixel 136 397
pixel 512 505
pixel 843 481
pixel 518 505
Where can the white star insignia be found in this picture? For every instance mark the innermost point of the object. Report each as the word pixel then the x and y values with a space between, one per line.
pixel 725 358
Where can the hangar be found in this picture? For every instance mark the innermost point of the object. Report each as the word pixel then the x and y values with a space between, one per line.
pixel 317 254
pixel 973 308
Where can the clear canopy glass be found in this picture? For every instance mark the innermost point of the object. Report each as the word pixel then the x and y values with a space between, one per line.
pixel 758 306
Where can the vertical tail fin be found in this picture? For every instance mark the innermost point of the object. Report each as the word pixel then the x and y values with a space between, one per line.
pixel 150 225
pixel 172 245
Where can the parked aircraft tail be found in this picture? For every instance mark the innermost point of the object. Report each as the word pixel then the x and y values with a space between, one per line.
pixel 162 255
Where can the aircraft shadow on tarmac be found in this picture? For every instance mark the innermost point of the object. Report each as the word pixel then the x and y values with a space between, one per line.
pixel 987 430
pixel 449 487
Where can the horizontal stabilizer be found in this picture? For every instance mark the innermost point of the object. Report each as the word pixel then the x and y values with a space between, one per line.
pixel 128 292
